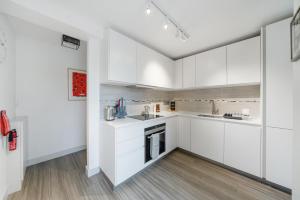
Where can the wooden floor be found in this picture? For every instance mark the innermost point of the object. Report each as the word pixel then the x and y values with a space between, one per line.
pixel 178 176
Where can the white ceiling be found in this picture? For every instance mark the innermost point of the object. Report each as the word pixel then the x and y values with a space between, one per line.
pixel 209 22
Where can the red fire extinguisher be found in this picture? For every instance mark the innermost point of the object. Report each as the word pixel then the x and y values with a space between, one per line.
pixel 12 140
pixel 4 123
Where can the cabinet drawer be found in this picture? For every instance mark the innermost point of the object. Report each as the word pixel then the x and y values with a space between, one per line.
pixel 128 165
pixel 129 132
pixel 130 145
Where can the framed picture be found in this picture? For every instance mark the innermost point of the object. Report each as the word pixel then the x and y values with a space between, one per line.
pixel 77 84
pixel 295 37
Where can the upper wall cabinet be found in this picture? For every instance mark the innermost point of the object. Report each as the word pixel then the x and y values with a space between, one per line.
pixel 189 70
pixel 121 58
pixel 211 68
pixel 243 62
pixel 178 74
pixel 154 69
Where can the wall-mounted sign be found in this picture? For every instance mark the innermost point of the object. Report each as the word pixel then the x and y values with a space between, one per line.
pixel 77 85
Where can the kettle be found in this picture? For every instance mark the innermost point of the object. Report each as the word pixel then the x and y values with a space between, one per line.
pixel 109 113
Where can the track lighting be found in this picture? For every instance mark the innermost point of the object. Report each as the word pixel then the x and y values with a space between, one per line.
pixel 180 32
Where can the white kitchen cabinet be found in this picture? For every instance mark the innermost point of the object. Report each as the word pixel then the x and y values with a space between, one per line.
pixel 279 143
pixel 279 76
pixel 178 74
pixel 207 138
pixel 211 68
pixel 189 72
pixel 243 62
pixel 129 164
pixel 121 59
pixel 171 134
pixel 243 148
pixel 154 69
pixel 184 133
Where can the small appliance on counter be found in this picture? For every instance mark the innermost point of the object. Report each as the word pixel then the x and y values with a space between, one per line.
pixel 109 113
pixel 172 106
pixel 157 108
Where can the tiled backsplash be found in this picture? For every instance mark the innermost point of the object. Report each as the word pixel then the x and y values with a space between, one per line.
pixel 135 98
pixel 231 100
pixel 228 100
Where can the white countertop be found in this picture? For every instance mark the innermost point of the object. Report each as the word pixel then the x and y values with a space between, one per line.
pixel 130 121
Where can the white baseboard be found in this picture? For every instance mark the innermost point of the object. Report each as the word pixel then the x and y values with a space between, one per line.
pixel 91 172
pixel 53 156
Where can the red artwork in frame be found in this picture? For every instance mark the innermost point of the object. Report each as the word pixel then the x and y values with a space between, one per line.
pixel 77 84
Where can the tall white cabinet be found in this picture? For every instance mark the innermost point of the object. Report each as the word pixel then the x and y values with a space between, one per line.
pixel 243 62
pixel 279 104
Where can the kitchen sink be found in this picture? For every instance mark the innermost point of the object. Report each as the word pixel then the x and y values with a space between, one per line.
pixel 211 116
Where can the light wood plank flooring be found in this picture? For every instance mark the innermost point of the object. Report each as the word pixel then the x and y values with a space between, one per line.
pixel 178 176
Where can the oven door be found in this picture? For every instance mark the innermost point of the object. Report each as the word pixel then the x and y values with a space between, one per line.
pixel 162 144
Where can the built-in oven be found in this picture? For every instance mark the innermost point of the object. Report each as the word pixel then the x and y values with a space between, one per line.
pixel 155 141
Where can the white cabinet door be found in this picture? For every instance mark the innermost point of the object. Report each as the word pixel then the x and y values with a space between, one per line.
pixel 207 139
pixel 130 164
pixel 243 148
pixel 189 70
pixel 171 134
pixel 279 144
pixel 184 133
pixel 243 62
pixel 121 58
pixel 153 68
pixel 211 68
pixel 279 76
pixel 178 74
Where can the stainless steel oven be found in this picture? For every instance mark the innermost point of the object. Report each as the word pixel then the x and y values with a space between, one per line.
pixel 155 141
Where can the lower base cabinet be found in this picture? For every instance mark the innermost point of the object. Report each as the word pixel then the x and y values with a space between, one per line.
pixel 129 164
pixel 171 134
pixel 207 139
pixel 242 149
pixel 184 133
pixel 279 156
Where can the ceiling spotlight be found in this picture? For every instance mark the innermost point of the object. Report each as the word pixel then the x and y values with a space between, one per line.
pixel 148 11
pixel 148 8
pixel 166 25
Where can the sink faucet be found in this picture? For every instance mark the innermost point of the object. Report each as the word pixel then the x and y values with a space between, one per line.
pixel 214 110
pixel 147 108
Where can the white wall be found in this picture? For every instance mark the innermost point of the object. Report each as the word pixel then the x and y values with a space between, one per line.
pixel 54 124
pixel 7 97
pixel 296 144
